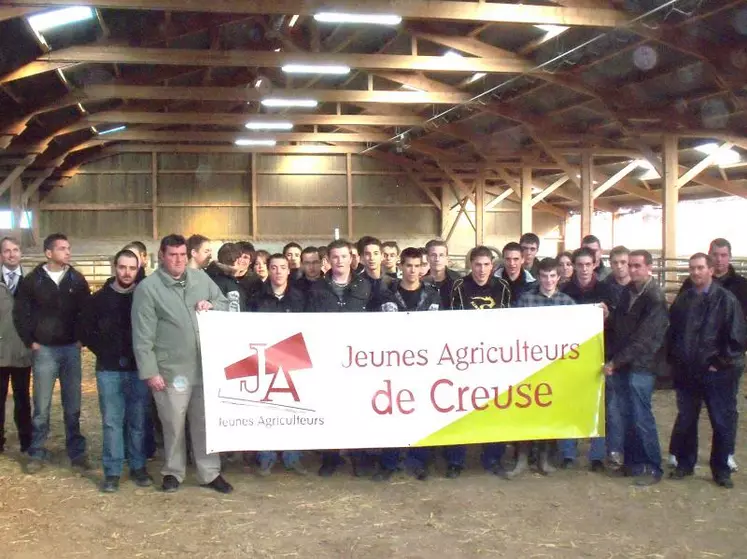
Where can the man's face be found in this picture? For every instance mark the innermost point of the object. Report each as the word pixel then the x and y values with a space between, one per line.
pixel 619 264
pixel 243 263
pixel 202 255
pixel 11 254
pixel 293 255
pixel 639 270
pixel 425 266
pixel 721 260
pixel 597 250
pixel 340 261
pixel 355 258
pixel 279 272
pixel 549 280
pixel 175 260
pixel 126 270
pixel 312 266
pixel 700 274
pixel 529 253
pixel 389 257
pixel 512 261
pixel 411 270
pixel 372 257
pixel 60 253
pixel 438 258
pixel 481 268
pixel 584 268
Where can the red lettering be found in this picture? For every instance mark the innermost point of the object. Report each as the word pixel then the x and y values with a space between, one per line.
pixel 408 358
pixel 509 398
pixel 574 354
pixel 538 395
pixel 461 391
pixel 361 358
pixel 401 400
pixel 536 353
pixel 290 389
pixel 433 395
pixel 524 394
pixel 387 394
pixel 482 396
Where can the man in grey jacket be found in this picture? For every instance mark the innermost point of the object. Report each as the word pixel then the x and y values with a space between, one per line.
pixel 15 357
pixel 166 343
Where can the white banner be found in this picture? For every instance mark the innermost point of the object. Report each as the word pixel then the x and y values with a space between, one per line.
pixel 372 380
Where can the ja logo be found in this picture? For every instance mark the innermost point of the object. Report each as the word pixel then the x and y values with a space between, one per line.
pixel 278 359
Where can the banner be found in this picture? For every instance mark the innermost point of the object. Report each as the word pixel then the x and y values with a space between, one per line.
pixel 374 380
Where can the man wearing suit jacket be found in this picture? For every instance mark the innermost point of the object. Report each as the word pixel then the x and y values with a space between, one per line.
pixel 15 358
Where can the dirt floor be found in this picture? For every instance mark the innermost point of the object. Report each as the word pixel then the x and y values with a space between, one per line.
pixel 60 513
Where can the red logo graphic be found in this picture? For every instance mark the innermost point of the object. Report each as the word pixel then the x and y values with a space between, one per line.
pixel 287 355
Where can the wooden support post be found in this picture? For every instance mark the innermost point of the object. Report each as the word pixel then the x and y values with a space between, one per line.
pixel 444 210
pixel 154 192
pixel 349 180
pixel 669 206
pixel 587 197
pixel 562 245
pixel 480 210
pixel 255 198
pixel 615 217
pixel 35 219
pixel 526 199
pixel 16 207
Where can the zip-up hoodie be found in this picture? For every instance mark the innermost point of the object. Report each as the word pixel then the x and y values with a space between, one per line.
pixel 47 313
pixel 429 299
pixel 523 282
pixel 356 295
pixel 467 295
pixel 231 286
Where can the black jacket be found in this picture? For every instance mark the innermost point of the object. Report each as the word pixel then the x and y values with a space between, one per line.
pixel 379 290
pixel 105 328
pixel 598 292
pixel 731 281
pixel 46 313
pixel 616 290
pixel 636 333
pixel 265 301
pixel 706 330
pixel 429 299
pixel 445 287
pixel 355 298
pixel 233 288
pixel 467 295
pixel 304 284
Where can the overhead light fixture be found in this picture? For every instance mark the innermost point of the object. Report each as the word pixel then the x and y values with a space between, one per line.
pixel 112 130
pixel 82 109
pixel 411 88
pixel 293 20
pixel 277 49
pixel 258 83
pixel 477 76
pixel 62 76
pixel 452 54
pixel 281 102
pixel 57 18
pixel 264 125
pixel 723 157
pixel 552 30
pixel 371 19
pixel 336 69
pixel 244 142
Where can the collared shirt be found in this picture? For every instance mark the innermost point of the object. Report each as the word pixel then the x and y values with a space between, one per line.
pixel 535 298
pixel 12 277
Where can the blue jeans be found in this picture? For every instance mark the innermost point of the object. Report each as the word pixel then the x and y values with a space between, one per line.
pixel 123 400
pixel 641 438
pixel 614 389
pixel 418 457
pixel 492 453
pixel 49 364
pixel 267 458
pixel 569 448
pixel 389 459
pixel 718 390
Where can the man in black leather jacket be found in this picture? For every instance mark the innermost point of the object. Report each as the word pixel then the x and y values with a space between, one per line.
pixel 706 344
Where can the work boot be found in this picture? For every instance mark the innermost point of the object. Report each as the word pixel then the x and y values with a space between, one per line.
pixel 522 461
pixel 543 463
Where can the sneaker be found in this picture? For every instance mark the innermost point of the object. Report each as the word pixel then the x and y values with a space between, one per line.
pixel 453 471
pixel 567 463
pixel 672 461
pixel 382 475
pixel 597 466
pixel 328 468
pixel 297 468
pixel 499 470
pixel 421 474
pixel 81 463
pixel 170 484
pixel 679 473
pixel 615 460
pixel 110 484
pixel 220 485
pixel 34 466
pixel 733 466
pixel 647 478
pixel 724 482
pixel 141 477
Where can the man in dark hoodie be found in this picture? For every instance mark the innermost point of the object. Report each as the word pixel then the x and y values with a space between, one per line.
pixel 480 290
pixel 224 273
pixel 311 264
pixel 46 311
pixel 341 290
pixel 370 250
pixel 439 273
pixel 278 294
pixel 106 329
pixel 408 295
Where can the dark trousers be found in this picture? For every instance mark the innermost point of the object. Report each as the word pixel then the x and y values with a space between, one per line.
pixel 492 453
pixel 718 390
pixel 20 379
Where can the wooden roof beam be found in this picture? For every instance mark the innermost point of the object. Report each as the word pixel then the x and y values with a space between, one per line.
pixel 443 10
pixel 169 136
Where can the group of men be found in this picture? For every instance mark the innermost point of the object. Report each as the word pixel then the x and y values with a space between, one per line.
pixel 143 331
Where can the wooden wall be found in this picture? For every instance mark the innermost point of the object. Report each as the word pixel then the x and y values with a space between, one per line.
pixel 232 196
